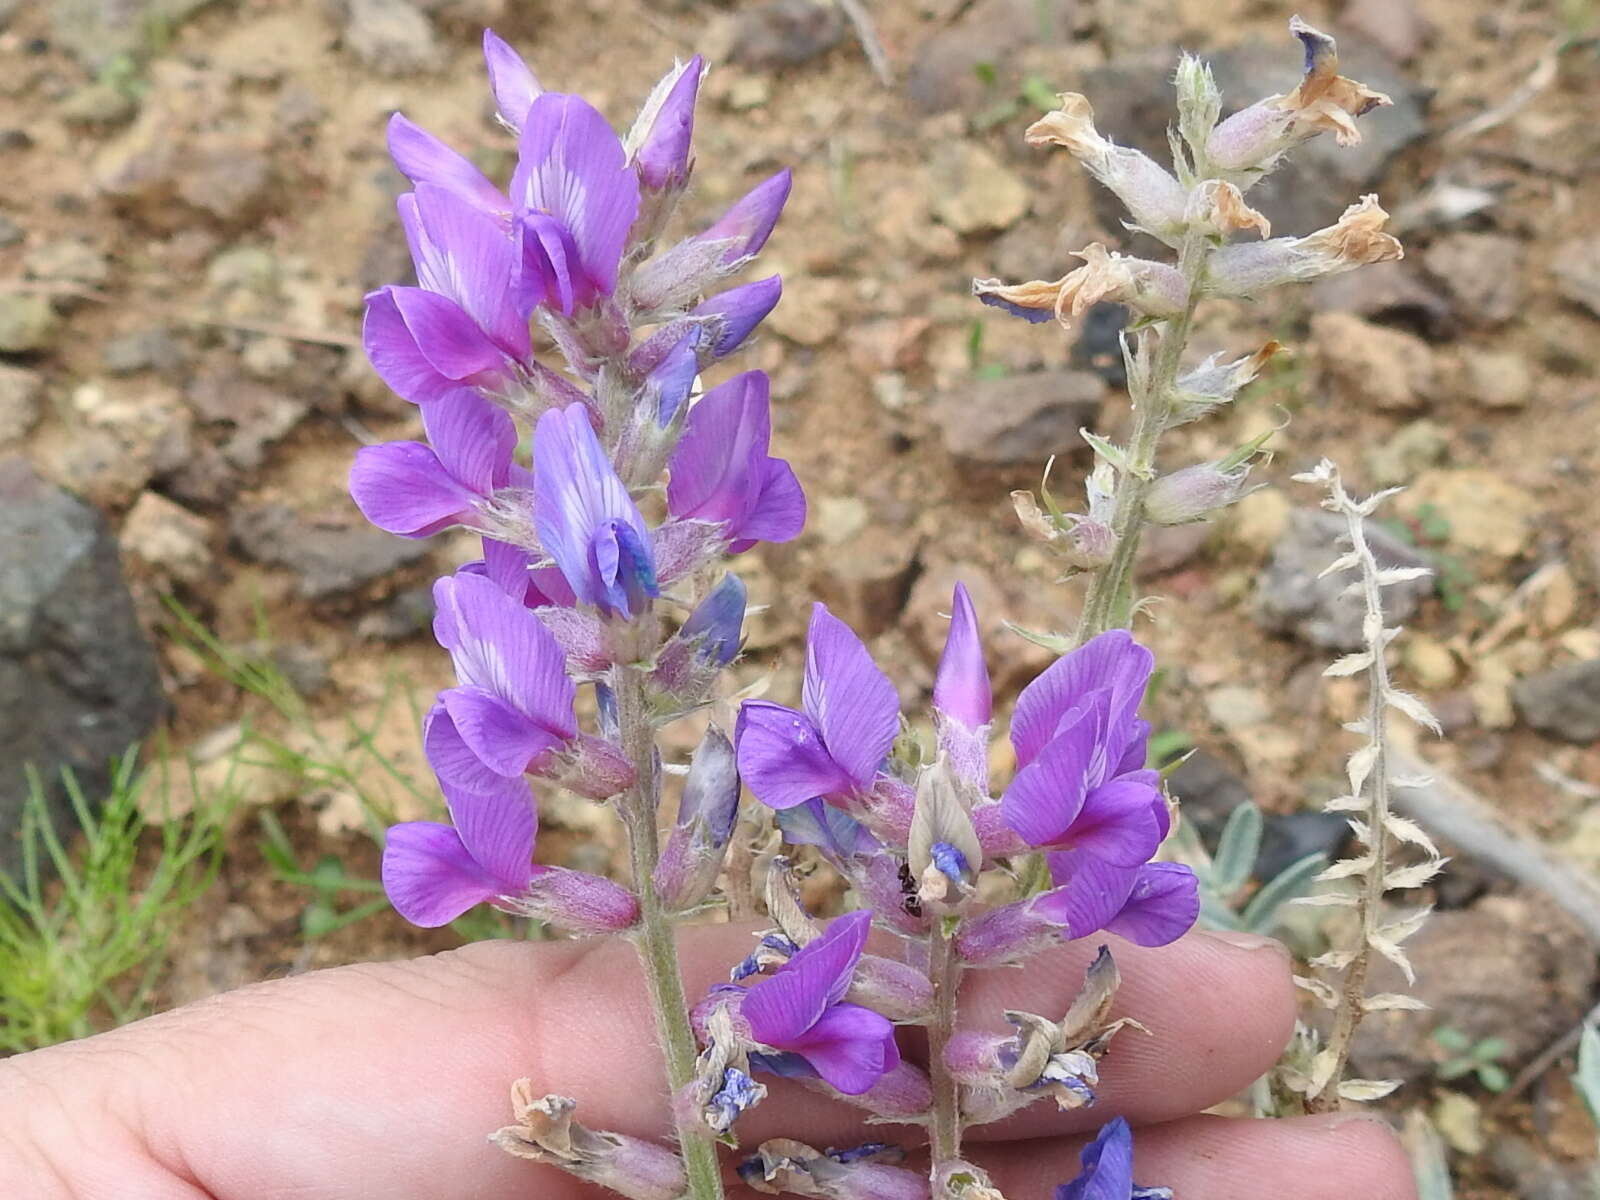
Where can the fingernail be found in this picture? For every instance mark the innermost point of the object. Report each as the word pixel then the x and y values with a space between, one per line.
pixel 1241 940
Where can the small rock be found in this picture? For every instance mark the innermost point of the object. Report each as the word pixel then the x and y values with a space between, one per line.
pixel 812 310
pixel 1482 272
pixel 1497 378
pixel 78 678
pixel 10 232
pixel 785 33
pixel 28 323
pixel 1576 267
pixel 839 518
pixel 866 580
pixel 1369 366
pixel 391 37
pixel 1413 448
pixel 1208 791
pixel 1460 1122
pixel 143 350
pixel 99 103
pixel 168 537
pixel 330 559
pixel 20 393
pixel 1286 838
pixel 1390 293
pixel 206 477
pixel 1430 662
pixel 1486 513
pixel 407 614
pixel 1396 25
pixel 230 180
pixel 1018 418
pixel 1290 598
pixel 973 192
pixel 1258 521
pixel 890 344
pixel 1563 702
pixel 1532 989
pixel 260 415
pixel 67 260
pixel 1235 706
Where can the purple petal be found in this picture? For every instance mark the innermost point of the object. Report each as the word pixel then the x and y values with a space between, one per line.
pixel 1107 1167
pixel 1162 906
pixel 498 829
pixel 1089 895
pixel 451 758
pixel 429 876
pixel 668 385
pixel 474 439
pixel 501 737
pixel 446 336
pixel 784 1006
pixel 548 266
pixel 751 219
pixel 849 699
pixel 423 158
pixel 739 311
pixel 851 1047
pixel 571 165
pixel 577 495
pixel 663 157
pixel 403 488
pixel 1113 661
pixel 468 256
pixel 779 513
pixel 1118 822
pixel 961 687
pixel 724 438
pixel 782 758
pixel 392 349
pixel 500 647
pixel 512 83
pixel 1047 795
pixel 817 823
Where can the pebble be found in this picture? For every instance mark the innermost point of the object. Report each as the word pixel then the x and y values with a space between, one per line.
pixel 784 33
pixel 1430 662
pixel 67 260
pixel 21 391
pixel 330 559
pixel 811 311
pixel 1482 272
pixel 391 36
pixel 168 537
pixel 28 323
pixel 1497 378
pixel 1576 267
pixel 1018 418
pixel 1258 521
pixel 1412 449
pixel 1486 513
pixel 1563 702
pixel 1372 367
pixel 142 350
pixel 1235 706
pixel 973 192
pixel 1396 25
pixel 1391 293
pixel 865 582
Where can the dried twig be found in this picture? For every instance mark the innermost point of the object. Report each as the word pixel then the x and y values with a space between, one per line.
pixel 1544 1060
pixel 867 35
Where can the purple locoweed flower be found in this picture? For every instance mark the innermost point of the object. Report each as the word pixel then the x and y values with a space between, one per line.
pixel 721 471
pixel 514 86
pixel 801 1024
pixel 416 490
pixel 963 700
pixel 665 128
pixel 575 198
pixel 732 315
pixel 587 522
pixel 749 222
pixel 692 857
pixel 1108 1169
pixel 423 158
pixel 433 872
pixel 836 745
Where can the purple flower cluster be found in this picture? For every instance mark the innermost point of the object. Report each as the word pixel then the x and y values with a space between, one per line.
pixel 573 572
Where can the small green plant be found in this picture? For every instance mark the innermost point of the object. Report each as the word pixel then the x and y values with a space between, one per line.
pixel 84 924
pixel 1468 1057
pixel 1225 902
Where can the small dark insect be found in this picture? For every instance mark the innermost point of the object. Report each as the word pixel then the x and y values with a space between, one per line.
pixel 911 902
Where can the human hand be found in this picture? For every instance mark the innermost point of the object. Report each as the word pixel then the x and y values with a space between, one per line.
pixel 385 1080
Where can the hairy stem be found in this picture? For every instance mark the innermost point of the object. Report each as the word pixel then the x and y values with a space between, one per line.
pixel 658 950
pixel 1109 603
pixel 1353 993
pixel 944 1126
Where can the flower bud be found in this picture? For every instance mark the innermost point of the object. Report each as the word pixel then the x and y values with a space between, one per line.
pixel 1193 493
pixel 961 687
pixel 692 859
pixel 942 851
pixel 513 84
pixel 709 640
pixel 734 314
pixel 576 901
pixel 1153 197
pixel 1151 289
pixel 659 142
pixel 1199 102
pixel 1251 142
pixel 545 1132
pixel 1215 383
pixel 1246 269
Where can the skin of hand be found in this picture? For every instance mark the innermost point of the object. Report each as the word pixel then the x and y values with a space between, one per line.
pixel 383 1080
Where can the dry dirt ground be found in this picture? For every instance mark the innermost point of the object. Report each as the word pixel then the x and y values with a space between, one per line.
pixel 198 200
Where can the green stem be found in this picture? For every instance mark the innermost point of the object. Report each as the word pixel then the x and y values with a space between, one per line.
pixel 1109 604
pixel 944 1124
pixel 658 949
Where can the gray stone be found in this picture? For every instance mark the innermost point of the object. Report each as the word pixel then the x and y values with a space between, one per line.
pixel 78 679
pixel 1577 272
pixel 1207 791
pixel 1563 702
pixel 1290 598
pixel 143 350
pixel 28 323
pixel 98 31
pixel 1482 272
pixel 391 37
pixel 976 61
pixel 1320 179
pixel 20 393
pixel 785 33
pixel 1019 418
pixel 330 559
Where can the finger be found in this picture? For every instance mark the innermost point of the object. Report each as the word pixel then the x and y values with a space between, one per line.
pixel 397 1071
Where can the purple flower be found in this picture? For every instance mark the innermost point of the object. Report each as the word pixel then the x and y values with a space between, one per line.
pixel 575 199
pixel 692 857
pixel 416 490
pixel 721 471
pixel 666 127
pixel 1151 904
pixel 666 388
pixel 512 570
pixel 423 158
pixel 750 221
pixel 433 873
pixel 587 522
pixel 1080 750
pixel 835 746
pixel 513 84
pixel 963 701
pixel 716 627
pixel 468 257
pixel 799 1010
pixel 1108 1169
pixel 734 313
pixel 513 708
